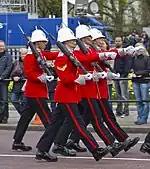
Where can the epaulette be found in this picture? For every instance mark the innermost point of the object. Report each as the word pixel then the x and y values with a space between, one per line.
pixel 60 54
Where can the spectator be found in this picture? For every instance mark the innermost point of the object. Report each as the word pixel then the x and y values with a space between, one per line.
pixel 122 67
pixel 141 68
pixel 18 75
pixel 145 39
pixel 5 69
pixel 132 39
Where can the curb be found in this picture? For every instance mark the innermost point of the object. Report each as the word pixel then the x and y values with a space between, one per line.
pixel 128 129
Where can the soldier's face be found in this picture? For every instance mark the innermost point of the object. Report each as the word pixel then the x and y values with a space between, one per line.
pixel 71 44
pixel 42 45
pixel 99 42
pixel 88 40
pixel 2 47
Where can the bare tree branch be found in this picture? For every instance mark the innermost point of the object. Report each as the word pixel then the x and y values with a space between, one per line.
pixel 112 2
pixel 107 7
pixel 108 14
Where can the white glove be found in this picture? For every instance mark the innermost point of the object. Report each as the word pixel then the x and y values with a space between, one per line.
pixel 99 75
pixel 95 76
pixel 106 55
pixel 102 75
pixel 44 78
pixel 88 76
pixel 111 75
pixel 49 78
pixel 129 50
pixel 81 80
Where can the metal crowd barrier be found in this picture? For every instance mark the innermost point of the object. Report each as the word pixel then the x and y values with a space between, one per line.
pixel 129 101
pixel 14 51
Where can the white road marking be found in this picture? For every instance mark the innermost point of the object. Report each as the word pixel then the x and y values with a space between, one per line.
pixel 140 142
pixel 86 158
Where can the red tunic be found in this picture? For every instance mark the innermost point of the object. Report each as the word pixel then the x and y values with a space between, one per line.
pixel 67 90
pixel 34 87
pixel 102 83
pixel 89 90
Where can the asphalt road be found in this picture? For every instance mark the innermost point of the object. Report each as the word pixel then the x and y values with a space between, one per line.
pixel 25 160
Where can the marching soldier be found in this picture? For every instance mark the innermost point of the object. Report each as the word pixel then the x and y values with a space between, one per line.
pixel 107 113
pixel 35 90
pixel 67 95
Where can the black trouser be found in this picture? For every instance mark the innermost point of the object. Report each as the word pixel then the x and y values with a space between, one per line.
pixel 65 129
pixel 71 111
pixel 4 113
pixel 147 138
pixel 93 114
pixel 34 105
pixel 110 120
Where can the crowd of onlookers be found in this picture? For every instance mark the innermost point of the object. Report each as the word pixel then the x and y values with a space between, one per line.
pixel 136 37
pixel 138 65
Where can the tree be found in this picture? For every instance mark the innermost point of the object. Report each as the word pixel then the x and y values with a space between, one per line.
pixel 49 7
pixel 145 7
pixel 115 10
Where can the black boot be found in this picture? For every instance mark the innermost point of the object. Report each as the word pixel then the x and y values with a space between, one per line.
pixel 145 148
pixel 116 148
pixel 59 149
pixel 130 143
pixel 45 156
pixel 75 146
pixel 101 152
pixel 21 146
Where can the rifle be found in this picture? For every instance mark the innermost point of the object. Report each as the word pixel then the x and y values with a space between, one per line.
pixel 41 62
pixel 66 52
pixel 85 51
pixel 105 63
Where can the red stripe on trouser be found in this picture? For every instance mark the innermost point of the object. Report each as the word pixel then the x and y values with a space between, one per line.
pixel 43 110
pixel 79 128
pixel 109 119
pixel 97 122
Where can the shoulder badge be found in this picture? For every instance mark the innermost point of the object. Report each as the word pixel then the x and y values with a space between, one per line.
pixel 62 68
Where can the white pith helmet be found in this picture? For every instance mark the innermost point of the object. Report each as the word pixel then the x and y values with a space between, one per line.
pixel 95 33
pixel 82 31
pixel 38 35
pixel 65 34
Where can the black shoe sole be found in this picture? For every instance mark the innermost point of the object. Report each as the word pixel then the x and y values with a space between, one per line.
pixel 102 154
pixel 48 160
pixel 79 151
pixel 128 148
pixel 76 149
pixel 107 151
pixel 19 149
pixel 142 150
pixel 63 154
pixel 117 152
